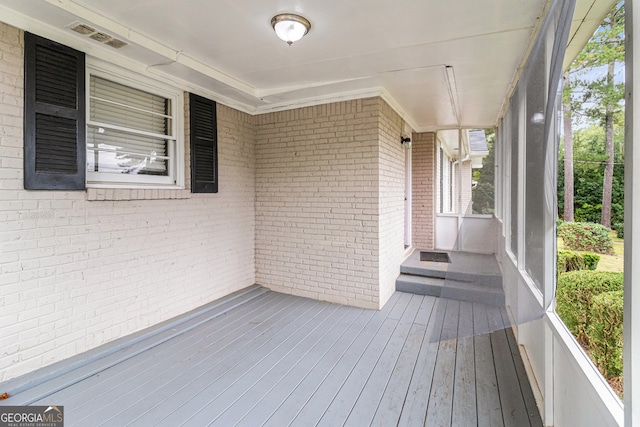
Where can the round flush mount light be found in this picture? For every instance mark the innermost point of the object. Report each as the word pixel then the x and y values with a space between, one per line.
pixel 290 27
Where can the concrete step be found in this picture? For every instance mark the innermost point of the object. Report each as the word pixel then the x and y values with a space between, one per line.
pixel 463 266
pixel 444 272
pixel 452 289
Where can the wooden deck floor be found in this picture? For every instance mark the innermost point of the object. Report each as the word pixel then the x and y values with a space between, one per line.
pixel 279 360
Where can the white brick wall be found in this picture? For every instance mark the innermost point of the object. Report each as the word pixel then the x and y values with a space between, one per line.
pixel 392 189
pixel 317 202
pixel 77 273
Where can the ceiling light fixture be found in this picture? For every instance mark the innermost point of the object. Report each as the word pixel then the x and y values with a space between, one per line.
pixel 290 27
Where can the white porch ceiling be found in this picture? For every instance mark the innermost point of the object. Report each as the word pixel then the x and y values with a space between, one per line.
pixel 227 50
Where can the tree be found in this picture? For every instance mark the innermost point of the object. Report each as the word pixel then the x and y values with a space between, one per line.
pixel 603 97
pixel 484 193
pixel 568 148
pixel 589 164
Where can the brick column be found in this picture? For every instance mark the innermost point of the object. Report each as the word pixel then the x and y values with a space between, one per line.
pixel 423 171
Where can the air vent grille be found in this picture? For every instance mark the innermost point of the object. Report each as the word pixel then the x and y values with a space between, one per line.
pixel 99 36
pixel 115 43
pixel 83 29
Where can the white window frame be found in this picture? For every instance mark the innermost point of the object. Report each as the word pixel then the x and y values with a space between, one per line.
pixel 175 165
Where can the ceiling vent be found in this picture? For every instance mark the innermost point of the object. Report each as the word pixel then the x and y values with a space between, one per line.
pixel 116 43
pixel 83 29
pixel 101 37
pixel 87 30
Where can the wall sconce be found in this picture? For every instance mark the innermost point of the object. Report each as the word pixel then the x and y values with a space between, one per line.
pixel 406 142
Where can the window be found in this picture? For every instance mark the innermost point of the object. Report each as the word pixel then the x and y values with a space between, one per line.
pixel 132 131
pixel 98 125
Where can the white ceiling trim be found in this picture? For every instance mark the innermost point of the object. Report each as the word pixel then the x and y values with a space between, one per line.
pixel 141 40
pixel 265 93
pixel 108 54
pixel 319 100
pixel 150 57
pixel 386 96
pixel 61 35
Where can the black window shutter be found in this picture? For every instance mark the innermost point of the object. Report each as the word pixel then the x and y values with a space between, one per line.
pixel 54 116
pixel 204 145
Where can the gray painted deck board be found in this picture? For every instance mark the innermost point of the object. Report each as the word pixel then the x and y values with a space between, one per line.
pixel 279 360
pixel 194 375
pixel 267 406
pixel 487 396
pixel 159 384
pixel 365 407
pixel 441 397
pixel 464 411
pixel 260 379
pixel 102 385
pixel 395 395
pixel 135 346
pixel 349 349
pixel 415 406
pixel 204 388
pixel 348 391
pixel 390 406
pixel 295 366
pixel 514 411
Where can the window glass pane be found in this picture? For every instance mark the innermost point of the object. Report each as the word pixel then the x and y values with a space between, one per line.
pixel 116 151
pixel 125 134
pixel 116 104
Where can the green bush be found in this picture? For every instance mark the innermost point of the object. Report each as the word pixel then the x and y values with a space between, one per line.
pixel 605 332
pixel 574 295
pixel 573 261
pixel 570 261
pixel 586 236
pixel 619 227
pixel 591 260
pixel 587 212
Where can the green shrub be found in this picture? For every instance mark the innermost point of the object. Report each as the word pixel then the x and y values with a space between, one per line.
pixel 591 260
pixel 619 227
pixel 587 212
pixel 573 261
pixel 586 236
pixel 574 295
pixel 605 332
pixel 570 261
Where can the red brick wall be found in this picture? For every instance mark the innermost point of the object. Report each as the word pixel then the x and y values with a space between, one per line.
pixel 423 190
